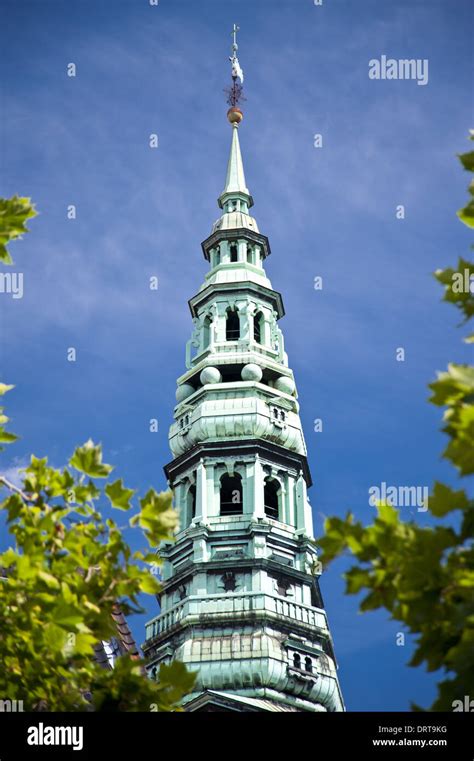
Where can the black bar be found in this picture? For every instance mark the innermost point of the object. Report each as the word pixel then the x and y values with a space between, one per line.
pixel 109 735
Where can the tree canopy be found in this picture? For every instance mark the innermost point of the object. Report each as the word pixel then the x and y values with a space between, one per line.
pixel 424 576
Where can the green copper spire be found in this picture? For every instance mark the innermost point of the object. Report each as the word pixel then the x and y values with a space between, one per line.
pixel 235 179
pixel 235 185
pixel 240 602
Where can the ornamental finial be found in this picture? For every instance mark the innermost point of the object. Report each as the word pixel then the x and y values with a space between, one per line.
pixel 235 91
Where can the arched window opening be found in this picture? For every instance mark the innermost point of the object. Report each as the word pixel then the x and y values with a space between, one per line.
pixel 271 498
pixel 191 502
pixel 206 332
pixel 308 664
pixel 297 660
pixel 258 328
pixel 233 252
pixel 249 254
pixel 232 326
pixel 231 494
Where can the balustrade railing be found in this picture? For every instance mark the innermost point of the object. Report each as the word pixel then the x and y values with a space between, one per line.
pixel 195 606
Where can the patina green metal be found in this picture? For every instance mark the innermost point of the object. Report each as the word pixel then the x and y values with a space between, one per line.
pixel 241 603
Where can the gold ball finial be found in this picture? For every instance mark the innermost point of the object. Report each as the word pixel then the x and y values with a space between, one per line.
pixel 234 115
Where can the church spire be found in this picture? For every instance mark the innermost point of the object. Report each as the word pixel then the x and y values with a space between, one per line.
pixel 235 179
pixel 235 185
pixel 240 602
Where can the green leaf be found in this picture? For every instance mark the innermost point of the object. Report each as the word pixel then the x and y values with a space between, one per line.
pixel 176 677
pixel 13 215
pixel 14 507
pixel 466 215
pixel 88 460
pixel 84 492
pixel 467 160
pixel 444 499
pixel 7 438
pixel 119 496
pixel 356 579
pixel 451 386
pixel 156 517
pixel 458 286
pixel 66 614
pixel 387 513
pixel 50 580
pixel 150 585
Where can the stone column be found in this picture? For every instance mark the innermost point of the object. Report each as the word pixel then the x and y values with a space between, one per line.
pixel 213 327
pixel 245 320
pixel 283 501
pixel 201 493
pixel 304 518
pixel 290 502
pixel 180 504
pixel 241 251
pixel 219 321
pixel 258 504
pixel 201 321
pixel 193 342
pixel 225 252
pixel 212 507
pixel 247 487
pixel 267 328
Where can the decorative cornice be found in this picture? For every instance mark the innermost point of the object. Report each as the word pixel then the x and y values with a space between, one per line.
pixel 223 449
pixel 246 286
pixel 235 234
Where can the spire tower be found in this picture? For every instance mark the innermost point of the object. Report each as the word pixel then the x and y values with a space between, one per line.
pixel 235 185
pixel 241 603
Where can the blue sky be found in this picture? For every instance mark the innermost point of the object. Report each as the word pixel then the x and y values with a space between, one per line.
pixel 327 212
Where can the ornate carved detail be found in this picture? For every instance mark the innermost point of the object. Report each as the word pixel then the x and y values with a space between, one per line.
pixel 229 581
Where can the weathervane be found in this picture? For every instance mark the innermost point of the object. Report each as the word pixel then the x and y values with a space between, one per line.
pixel 235 91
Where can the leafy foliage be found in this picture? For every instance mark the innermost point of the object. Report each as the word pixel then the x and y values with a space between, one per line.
pixel 455 390
pixel 68 569
pixel 14 212
pixel 466 214
pixel 424 576
pixel 5 436
pixel 65 573
pixel 463 298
